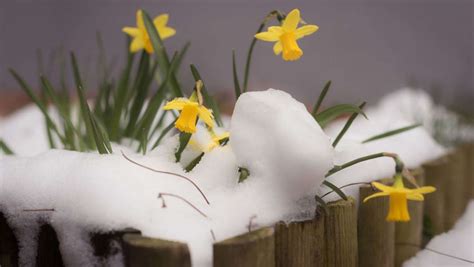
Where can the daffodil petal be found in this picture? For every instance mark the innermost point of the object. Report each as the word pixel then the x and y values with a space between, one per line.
pixel 161 20
pixel 277 48
pixel 382 187
pixel 424 190
pixel 305 30
pixel 276 29
pixel 268 36
pixel 291 21
pixel 133 32
pixel 166 32
pixel 415 196
pixel 206 116
pixel 177 104
pixel 140 23
pixel 136 45
pixel 379 194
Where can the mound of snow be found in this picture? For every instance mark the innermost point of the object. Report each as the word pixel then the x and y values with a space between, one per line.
pixel 272 135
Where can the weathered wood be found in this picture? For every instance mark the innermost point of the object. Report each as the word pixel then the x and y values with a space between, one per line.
pixel 301 244
pixel 142 251
pixel 341 234
pixel 454 189
pixel 256 248
pixel 49 254
pixel 8 245
pixel 468 172
pixel 408 234
pixel 436 174
pixel 376 236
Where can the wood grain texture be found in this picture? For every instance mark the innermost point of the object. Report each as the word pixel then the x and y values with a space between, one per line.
pixel 341 234
pixel 376 236
pixel 409 234
pixel 301 244
pixel 140 251
pixel 256 248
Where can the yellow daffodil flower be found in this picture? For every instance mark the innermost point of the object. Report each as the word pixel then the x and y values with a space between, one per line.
pixel 190 110
pixel 399 194
pixel 216 140
pixel 141 40
pixel 286 35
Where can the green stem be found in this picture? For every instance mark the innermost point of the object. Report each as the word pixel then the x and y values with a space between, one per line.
pixel 398 163
pixel 274 13
pixel 347 125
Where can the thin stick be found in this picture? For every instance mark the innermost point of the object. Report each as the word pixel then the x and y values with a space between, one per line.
pixel 213 235
pixel 435 251
pixel 38 210
pixel 160 195
pixel 170 173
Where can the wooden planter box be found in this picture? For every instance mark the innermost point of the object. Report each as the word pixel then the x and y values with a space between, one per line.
pixel 342 236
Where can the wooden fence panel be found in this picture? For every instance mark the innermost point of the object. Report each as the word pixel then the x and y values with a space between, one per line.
pixel 256 248
pixel 8 245
pixel 376 236
pixel 300 244
pixel 140 251
pixel 409 235
pixel 341 234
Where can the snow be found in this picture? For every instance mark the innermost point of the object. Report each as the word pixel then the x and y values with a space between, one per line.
pixel 93 193
pixel 457 242
pixel 271 134
pixel 414 147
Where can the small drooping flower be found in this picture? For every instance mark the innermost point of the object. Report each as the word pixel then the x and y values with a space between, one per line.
pixel 190 111
pixel 217 139
pixel 141 40
pixel 286 36
pixel 399 194
pixel 207 140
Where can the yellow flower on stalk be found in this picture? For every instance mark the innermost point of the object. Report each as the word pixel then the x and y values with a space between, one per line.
pixel 216 140
pixel 399 194
pixel 141 40
pixel 190 111
pixel 286 36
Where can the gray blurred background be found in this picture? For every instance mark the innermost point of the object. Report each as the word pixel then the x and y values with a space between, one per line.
pixel 366 47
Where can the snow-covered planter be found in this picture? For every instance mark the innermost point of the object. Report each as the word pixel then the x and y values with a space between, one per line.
pixel 168 180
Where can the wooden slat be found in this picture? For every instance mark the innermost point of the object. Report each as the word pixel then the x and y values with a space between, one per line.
pixel 409 235
pixel 8 245
pixel 140 251
pixel 376 236
pixel 300 244
pixel 256 248
pixel 341 234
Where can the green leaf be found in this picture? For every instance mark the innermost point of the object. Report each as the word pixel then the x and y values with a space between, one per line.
pixel 321 97
pixel 160 53
pixel 322 203
pixel 335 189
pixel 390 133
pixel 244 173
pixel 139 91
pixel 95 137
pixel 183 142
pixel 208 100
pixel 163 133
pixel 194 162
pixel 236 78
pixel 4 147
pixel 120 99
pixel 181 55
pixel 39 104
pixel 328 115
pixel 144 125
pixel 347 125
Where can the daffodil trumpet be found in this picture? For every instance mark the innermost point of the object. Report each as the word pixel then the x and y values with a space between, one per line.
pixel 398 198
pixel 286 36
pixel 191 109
